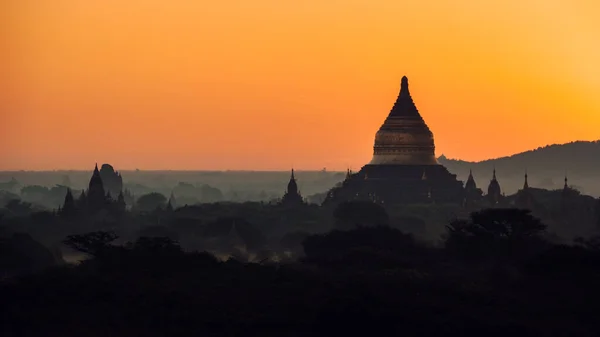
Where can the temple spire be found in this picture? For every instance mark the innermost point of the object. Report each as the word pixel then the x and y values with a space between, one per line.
pixel 470 184
pixel 404 106
pixel 526 184
pixel 292 195
pixel 470 175
pixel 404 92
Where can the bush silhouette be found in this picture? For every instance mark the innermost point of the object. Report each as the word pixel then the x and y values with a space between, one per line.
pixel 351 214
pixel 359 245
pixel 93 243
pixel 499 232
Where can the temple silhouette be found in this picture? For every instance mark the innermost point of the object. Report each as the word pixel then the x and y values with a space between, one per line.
pixel 403 169
pixel 98 195
pixel 292 196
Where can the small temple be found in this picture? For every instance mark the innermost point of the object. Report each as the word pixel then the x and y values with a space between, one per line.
pixel 292 196
pixel 403 168
pixel 494 193
pixel 95 199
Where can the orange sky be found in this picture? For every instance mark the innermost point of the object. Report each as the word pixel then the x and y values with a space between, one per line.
pixel 267 84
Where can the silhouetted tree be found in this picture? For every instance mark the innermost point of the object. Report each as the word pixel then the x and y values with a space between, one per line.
pixel 211 194
pixel 17 207
pixel 6 196
pixel 336 244
pixel 251 236
pixel 43 218
pixel 497 230
pixel 158 231
pixel 91 243
pixel 293 241
pixel 351 214
pixel 185 189
pixel 151 201
pixel 34 191
pixel 156 246
pixel 508 223
pixel 592 243
pixel 20 254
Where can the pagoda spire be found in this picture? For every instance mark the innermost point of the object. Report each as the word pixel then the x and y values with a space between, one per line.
pixel 494 190
pixel 470 177
pixel 404 106
pixel 404 87
pixel 470 184
pixel 526 184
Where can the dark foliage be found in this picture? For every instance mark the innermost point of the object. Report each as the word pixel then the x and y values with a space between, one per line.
pixel 20 254
pixel 371 280
pixel 591 244
pixel 364 245
pixel 508 233
pixel 222 227
pixel 351 214
pixel 293 241
pixel 91 243
pixel 16 207
pixel 150 202
pixel 152 288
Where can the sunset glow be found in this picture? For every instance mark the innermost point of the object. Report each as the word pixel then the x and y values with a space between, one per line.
pixel 271 84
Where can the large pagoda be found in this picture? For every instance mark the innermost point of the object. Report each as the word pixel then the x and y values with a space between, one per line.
pixel 403 169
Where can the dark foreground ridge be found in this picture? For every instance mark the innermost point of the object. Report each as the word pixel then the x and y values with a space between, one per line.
pixel 495 276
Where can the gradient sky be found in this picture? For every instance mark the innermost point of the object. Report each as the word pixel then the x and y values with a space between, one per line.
pixel 270 84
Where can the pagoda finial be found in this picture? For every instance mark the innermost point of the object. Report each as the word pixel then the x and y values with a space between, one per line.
pixel 293 174
pixel 494 174
pixel 404 105
pixel 404 86
pixel 526 184
pixel 566 181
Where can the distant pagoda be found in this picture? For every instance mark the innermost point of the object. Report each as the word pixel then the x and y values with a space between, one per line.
pixel 292 196
pixel 403 169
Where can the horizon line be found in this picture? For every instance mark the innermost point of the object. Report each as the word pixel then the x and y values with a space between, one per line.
pixel 285 170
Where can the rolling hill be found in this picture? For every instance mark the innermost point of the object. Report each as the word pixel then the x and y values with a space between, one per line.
pixel 546 167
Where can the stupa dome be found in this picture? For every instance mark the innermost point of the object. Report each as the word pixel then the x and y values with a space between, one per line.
pixel 404 138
